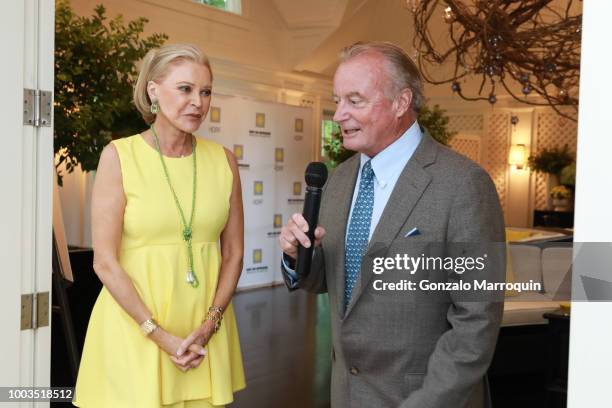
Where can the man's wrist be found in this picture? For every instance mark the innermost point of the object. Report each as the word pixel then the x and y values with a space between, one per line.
pixel 289 261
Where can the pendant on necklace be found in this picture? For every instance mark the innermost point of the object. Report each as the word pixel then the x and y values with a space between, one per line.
pixel 190 277
pixel 187 234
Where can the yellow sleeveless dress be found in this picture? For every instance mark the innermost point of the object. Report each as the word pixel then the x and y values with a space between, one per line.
pixel 122 368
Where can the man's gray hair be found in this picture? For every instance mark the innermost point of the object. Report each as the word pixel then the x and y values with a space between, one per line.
pixel 402 71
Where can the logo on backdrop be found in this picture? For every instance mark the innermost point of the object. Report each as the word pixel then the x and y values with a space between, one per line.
pixel 297 191
pixel 258 187
pixel 260 120
pixel 215 117
pixel 258 191
pixel 298 127
pixel 279 158
pixel 279 155
pixel 277 223
pixel 278 220
pixel 297 188
pixel 239 152
pixel 215 114
pixel 257 256
pixel 257 259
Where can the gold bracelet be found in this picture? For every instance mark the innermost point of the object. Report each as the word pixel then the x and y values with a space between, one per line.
pixel 215 314
pixel 148 326
pixel 216 309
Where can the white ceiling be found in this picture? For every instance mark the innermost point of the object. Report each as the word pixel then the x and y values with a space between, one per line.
pixel 317 29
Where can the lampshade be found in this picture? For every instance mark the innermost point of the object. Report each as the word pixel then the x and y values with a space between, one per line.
pixel 517 156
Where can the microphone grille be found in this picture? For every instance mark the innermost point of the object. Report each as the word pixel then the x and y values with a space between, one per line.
pixel 316 174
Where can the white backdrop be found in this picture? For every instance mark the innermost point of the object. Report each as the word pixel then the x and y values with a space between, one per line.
pixel 273 145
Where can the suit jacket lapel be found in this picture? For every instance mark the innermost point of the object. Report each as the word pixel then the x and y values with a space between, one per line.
pixel 341 206
pixel 409 188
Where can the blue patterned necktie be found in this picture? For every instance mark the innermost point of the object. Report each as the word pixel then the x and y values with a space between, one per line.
pixel 358 231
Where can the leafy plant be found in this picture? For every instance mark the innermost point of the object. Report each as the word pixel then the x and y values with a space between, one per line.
pixel 552 160
pixel 568 175
pixel 335 151
pixel 94 76
pixel 434 120
pixel 436 123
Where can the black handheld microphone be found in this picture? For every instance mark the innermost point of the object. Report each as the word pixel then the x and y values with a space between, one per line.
pixel 316 176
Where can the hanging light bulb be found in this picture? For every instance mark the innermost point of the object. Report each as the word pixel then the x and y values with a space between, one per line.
pixel 526 89
pixel 449 16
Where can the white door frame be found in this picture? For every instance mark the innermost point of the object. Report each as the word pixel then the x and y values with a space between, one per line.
pixel 27 40
pixel 591 324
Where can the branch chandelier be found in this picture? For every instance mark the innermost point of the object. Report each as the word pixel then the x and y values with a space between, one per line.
pixel 506 42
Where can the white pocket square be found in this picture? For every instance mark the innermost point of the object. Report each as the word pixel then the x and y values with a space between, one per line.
pixel 413 232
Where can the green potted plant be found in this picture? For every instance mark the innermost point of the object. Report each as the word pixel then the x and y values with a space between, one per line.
pixel 336 153
pixel 436 121
pixel 567 177
pixel 94 75
pixel 551 162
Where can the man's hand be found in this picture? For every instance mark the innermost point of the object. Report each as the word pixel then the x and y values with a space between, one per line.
pixel 294 233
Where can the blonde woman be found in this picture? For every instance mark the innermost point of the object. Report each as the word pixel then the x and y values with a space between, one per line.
pixel 167 224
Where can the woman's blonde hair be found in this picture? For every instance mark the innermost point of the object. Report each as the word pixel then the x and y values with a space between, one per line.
pixel 155 66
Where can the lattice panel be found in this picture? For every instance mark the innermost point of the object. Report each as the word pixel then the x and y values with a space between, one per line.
pixel 552 131
pixel 465 123
pixel 497 153
pixel 469 147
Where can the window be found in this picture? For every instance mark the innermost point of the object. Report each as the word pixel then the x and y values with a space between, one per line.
pixel 233 6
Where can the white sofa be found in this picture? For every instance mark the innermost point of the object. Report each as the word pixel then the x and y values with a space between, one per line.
pixel 548 266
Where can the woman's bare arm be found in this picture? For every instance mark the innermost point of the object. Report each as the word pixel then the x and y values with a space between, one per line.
pixel 107 207
pixel 232 242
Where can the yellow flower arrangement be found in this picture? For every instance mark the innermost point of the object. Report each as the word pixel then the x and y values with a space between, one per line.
pixel 560 192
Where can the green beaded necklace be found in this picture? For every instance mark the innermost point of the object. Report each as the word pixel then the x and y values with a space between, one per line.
pixel 191 279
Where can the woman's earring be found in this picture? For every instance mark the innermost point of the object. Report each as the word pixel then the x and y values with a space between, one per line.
pixel 154 107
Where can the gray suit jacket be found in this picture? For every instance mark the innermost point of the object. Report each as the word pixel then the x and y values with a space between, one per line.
pixel 403 349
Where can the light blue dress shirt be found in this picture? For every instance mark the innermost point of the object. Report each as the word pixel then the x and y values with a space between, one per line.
pixel 387 166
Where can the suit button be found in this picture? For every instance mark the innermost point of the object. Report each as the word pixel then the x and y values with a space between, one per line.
pixel 354 370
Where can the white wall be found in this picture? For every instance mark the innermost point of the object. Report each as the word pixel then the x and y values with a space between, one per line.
pixel 591 325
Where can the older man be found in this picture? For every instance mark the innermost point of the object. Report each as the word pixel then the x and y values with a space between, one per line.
pixel 401 191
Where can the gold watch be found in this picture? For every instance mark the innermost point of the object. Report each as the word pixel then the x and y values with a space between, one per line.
pixel 148 326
